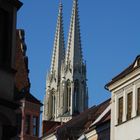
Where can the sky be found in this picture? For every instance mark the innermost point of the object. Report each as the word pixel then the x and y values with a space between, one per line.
pixel 110 32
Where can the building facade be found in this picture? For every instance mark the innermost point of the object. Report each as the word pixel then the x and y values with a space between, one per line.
pixel 8 106
pixel 28 115
pixel 125 103
pixel 66 88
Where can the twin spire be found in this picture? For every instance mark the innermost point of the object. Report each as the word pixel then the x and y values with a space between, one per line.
pixel 74 52
pixel 66 88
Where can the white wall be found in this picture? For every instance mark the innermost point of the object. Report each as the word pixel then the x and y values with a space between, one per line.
pixel 129 130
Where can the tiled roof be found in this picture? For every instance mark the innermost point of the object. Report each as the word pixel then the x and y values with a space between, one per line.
pixel 50 127
pixel 105 119
pixel 80 123
pixel 124 73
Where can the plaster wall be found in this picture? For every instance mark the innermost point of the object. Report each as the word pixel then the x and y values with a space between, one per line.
pixel 129 130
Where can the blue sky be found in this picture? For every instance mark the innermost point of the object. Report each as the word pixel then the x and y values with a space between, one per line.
pixel 110 31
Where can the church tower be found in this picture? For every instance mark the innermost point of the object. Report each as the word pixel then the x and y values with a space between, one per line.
pixel 66 93
pixel 54 76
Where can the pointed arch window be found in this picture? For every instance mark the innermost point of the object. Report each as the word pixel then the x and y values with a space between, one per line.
pixel 52 103
pixel 76 95
pixel 68 101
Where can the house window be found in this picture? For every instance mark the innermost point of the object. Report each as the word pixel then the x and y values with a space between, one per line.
pixel 19 119
pixel 27 124
pixel 120 110
pixel 35 126
pixel 129 106
pixel 138 111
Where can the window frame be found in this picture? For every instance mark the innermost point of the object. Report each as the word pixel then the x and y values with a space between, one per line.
pixel 120 113
pixel 129 106
pixel 138 101
pixel 35 124
pixel 19 122
pixel 28 124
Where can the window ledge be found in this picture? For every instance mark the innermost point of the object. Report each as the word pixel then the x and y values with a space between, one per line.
pixel 127 120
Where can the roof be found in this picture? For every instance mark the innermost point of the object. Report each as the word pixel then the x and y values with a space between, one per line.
pixel 128 70
pixel 50 127
pixel 16 3
pixel 28 97
pixel 104 120
pixel 80 123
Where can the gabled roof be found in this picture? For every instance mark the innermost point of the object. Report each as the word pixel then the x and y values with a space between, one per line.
pixel 128 70
pixel 80 123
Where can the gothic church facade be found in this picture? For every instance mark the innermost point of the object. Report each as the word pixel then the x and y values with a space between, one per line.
pixel 66 87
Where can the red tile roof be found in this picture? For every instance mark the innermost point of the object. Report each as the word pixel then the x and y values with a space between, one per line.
pixel 50 127
pixel 80 123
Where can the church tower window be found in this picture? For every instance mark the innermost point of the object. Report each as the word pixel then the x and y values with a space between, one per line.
pixel 76 95
pixel 53 103
pixel 68 95
pixel 129 106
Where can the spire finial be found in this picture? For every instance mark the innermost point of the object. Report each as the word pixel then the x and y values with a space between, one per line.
pixel 58 50
pixel 74 50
